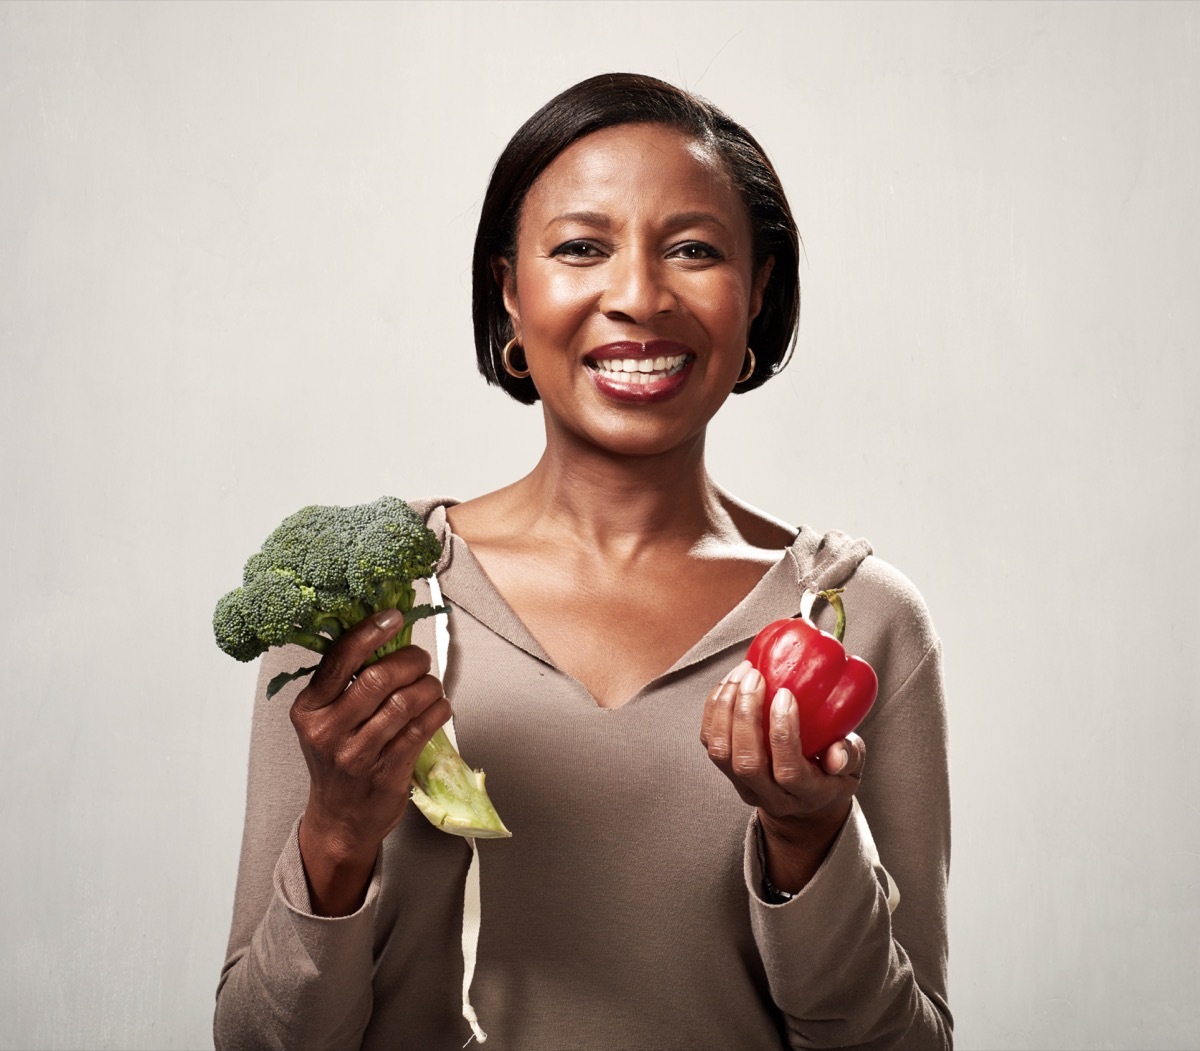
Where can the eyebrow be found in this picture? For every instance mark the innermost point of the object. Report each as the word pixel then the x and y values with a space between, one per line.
pixel 673 221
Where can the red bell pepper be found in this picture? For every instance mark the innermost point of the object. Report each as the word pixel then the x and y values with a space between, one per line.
pixel 834 690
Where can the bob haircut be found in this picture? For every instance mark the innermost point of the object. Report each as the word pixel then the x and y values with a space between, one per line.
pixel 630 98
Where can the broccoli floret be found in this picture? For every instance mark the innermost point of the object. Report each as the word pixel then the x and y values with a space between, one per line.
pixel 313 543
pixel 391 551
pixel 324 569
pixel 234 628
pixel 319 573
pixel 282 608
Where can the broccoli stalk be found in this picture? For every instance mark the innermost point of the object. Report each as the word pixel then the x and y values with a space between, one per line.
pixel 325 569
pixel 452 795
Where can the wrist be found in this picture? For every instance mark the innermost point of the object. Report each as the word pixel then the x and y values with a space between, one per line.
pixel 337 870
pixel 793 848
pixel 801 832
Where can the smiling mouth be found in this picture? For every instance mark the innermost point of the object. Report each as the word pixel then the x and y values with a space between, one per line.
pixel 636 371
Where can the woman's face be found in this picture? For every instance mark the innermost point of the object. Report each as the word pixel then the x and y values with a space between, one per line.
pixel 633 288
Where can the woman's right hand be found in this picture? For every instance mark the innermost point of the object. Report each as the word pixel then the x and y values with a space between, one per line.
pixel 361 733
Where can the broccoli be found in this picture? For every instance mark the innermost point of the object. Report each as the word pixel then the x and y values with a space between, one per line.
pixel 322 571
pixel 319 573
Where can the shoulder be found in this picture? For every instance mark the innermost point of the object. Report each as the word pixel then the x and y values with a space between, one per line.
pixel 877 595
pixel 890 598
pixel 430 506
pixel 888 623
pixel 433 512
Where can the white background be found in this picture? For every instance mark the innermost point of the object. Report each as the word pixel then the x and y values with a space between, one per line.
pixel 234 279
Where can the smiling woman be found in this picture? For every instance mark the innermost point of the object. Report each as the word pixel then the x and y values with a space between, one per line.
pixel 677 876
pixel 633 245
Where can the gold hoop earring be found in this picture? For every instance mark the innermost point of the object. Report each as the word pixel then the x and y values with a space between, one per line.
pixel 748 368
pixel 506 358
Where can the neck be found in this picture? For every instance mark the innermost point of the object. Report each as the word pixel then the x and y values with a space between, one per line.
pixel 621 504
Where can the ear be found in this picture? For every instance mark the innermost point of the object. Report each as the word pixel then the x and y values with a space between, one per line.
pixel 760 286
pixel 504 272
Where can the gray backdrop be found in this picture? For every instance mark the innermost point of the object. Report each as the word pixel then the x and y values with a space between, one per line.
pixel 234 279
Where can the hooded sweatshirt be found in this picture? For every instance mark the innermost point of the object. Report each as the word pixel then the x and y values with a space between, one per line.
pixel 627 911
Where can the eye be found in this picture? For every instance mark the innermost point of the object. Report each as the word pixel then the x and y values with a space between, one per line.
pixel 695 252
pixel 578 250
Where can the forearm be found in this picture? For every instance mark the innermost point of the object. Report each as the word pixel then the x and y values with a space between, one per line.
pixel 793 850
pixel 303 981
pixel 852 985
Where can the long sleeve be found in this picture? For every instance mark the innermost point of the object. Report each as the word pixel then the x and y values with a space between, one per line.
pixel 291 979
pixel 846 969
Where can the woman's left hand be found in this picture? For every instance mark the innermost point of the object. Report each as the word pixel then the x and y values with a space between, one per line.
pixel 802 804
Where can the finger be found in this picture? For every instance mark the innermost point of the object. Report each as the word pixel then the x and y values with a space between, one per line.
pixel 749 759
pixel 788 765
pixel 401 751
pixel 718 736
pixel 717 701
pixel 355 750
pixel 377 682
pixel 845 758
pixel 401 707
pixel 345 657
pixel 716 730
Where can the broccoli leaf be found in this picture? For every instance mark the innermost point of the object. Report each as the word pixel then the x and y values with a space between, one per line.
pixel 284 677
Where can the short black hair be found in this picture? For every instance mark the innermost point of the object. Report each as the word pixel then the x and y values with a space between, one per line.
pixel 630 98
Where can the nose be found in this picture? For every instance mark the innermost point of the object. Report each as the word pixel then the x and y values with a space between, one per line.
pixel 638 288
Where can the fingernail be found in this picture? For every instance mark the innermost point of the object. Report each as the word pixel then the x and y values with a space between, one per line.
pixel 841 759
pixel 735 676
pixel 388 618
pixel 750 681
pixel 781 706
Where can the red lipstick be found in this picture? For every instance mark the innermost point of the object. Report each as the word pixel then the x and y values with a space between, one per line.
pixel 640 372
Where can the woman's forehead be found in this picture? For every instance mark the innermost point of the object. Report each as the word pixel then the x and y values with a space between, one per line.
pixel 631 167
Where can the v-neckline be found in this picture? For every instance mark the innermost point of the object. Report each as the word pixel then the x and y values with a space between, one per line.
pixel 775 595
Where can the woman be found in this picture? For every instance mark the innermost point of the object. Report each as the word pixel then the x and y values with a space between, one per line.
pixel 673 880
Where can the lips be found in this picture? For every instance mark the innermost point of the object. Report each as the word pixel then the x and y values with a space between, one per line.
pixel 640 372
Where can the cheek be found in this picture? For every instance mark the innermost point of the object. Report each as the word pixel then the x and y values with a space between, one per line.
pixel 554 298
pixel 725 303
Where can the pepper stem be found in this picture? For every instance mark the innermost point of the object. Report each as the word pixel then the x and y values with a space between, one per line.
pixel 834 597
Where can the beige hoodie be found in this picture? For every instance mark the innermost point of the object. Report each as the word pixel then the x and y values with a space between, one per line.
pixel 625 911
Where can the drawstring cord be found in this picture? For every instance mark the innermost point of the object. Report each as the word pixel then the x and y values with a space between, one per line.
pixel 472 903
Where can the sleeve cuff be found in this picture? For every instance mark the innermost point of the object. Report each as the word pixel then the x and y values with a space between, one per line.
pixel 841 921
pixel 853 851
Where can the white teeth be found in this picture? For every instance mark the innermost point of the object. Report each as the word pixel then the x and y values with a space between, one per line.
pixel 623 364
pixel 641 370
